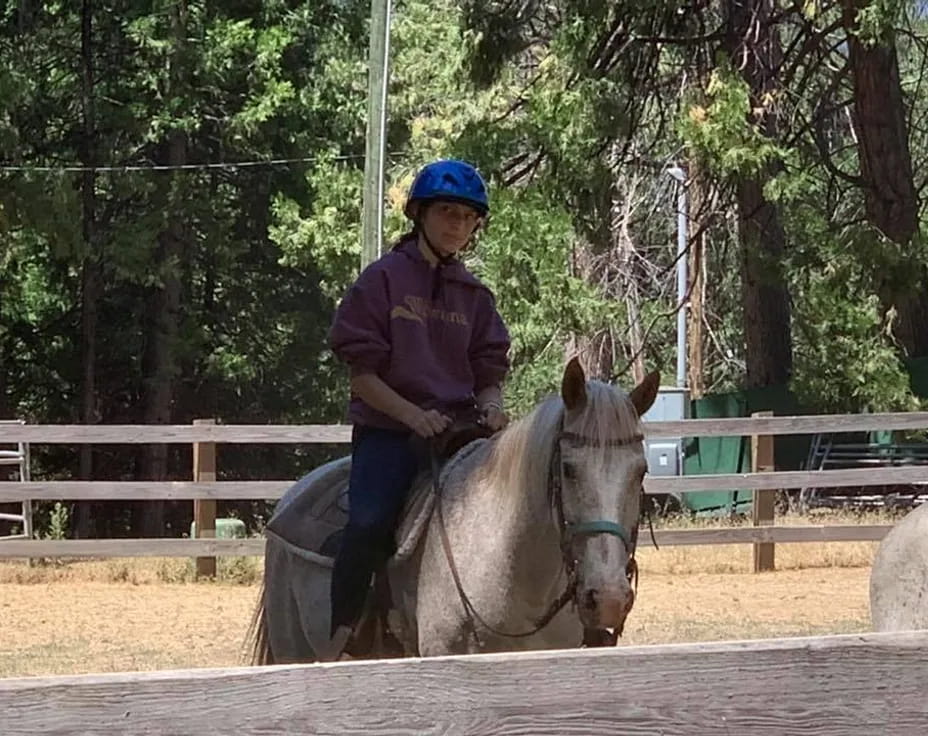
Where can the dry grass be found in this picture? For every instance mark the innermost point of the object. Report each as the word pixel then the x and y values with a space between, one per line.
pixel 710 592
pixel 132 570
pixel 708 607
pixel 76 627
pixel 733 558
pixel 737 558
pixel 69 627
pixel 145 614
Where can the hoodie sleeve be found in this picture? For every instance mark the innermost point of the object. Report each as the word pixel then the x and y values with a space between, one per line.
pixel 489 346
pixel 360 332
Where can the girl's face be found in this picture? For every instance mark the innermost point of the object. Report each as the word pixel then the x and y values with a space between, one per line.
pixel 449 225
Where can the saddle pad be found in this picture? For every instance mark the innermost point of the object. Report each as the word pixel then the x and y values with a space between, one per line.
pixel 315 508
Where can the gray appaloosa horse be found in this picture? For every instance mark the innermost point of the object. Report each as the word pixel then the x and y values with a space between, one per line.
pixel 899 576
pixel 529 543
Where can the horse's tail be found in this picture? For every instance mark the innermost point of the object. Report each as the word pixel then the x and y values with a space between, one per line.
pixel 257 636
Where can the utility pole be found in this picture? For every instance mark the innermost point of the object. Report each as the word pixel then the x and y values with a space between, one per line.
pixel 378 79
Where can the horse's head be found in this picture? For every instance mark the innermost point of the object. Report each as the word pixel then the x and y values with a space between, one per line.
pixel 598 469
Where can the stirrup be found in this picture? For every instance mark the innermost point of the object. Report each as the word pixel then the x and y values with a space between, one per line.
pixel 337 645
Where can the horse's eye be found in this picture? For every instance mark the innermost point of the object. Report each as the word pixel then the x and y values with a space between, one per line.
pixel 570 471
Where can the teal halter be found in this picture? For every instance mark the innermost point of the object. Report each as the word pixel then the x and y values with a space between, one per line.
pixel 589 528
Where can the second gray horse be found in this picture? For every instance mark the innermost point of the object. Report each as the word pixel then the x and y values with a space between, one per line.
pixel 899 576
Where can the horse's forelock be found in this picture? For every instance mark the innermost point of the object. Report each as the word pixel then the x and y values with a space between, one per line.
pixel 609 414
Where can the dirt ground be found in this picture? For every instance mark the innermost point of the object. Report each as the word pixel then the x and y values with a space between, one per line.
pixel 74 627
pixel 124 616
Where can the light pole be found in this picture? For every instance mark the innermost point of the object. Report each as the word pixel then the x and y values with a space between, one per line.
pixel 378 80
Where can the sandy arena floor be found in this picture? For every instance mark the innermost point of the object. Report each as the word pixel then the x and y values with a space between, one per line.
pixel 68 626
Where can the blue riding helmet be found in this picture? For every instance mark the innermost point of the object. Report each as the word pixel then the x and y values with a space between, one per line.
pixel 448 179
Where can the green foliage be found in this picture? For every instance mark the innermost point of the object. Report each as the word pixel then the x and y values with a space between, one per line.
pixel 875 22
pixel 525 257
pixel 58 522
pixel 845 359
pixel 330 237
pixel 720 131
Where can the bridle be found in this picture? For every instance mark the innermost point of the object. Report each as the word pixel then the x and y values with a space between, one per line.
pixel 572 530
pixel 569 532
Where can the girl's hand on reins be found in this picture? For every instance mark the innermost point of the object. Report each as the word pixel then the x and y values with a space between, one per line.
pixel 426 424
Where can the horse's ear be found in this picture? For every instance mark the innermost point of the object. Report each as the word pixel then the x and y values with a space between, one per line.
pixel 644 393
pixel 573 386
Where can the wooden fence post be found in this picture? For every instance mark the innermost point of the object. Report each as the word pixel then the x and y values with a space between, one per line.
pixel 204 510
pixel 762 461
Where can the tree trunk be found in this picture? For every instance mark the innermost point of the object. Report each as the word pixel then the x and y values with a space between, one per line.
pixel 882 134
pixel 622 246
pixel 26 15
pixel 635 336
pixel 626 264
pixel 594 350
pixel 755 45
pixel 911 327
pixel 699 195
pixel 764 295
pixel 886 170
pixel 91 268
pixel 4 399
pixel 6 359
pixel 160 360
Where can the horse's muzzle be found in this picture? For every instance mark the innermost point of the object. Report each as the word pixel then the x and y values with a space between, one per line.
pixel 605 607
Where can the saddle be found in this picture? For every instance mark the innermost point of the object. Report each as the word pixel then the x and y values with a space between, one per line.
pixel 433 454
pixel 443 447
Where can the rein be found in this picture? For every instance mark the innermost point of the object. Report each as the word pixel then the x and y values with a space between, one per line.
pixel 569 532
pixel 473 617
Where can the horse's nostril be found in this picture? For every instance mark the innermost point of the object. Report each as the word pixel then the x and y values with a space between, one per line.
pixel 590 599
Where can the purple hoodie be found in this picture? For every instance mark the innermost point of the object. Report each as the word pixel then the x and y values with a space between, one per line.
pixel 429 329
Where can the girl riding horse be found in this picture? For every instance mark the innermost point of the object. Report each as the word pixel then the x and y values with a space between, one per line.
pixel 423 341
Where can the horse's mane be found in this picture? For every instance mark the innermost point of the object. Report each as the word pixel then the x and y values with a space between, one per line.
pixel 521 458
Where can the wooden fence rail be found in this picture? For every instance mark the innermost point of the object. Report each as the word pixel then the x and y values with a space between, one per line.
pixel 201 548
pixel 228 490
pixel 204 490
pixel 851 685
pixel 73 434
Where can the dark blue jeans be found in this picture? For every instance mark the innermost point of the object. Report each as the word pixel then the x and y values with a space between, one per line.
pixel 383 467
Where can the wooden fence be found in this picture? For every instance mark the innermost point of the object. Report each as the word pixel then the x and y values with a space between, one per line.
pixel 204 490
pixel 850 685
